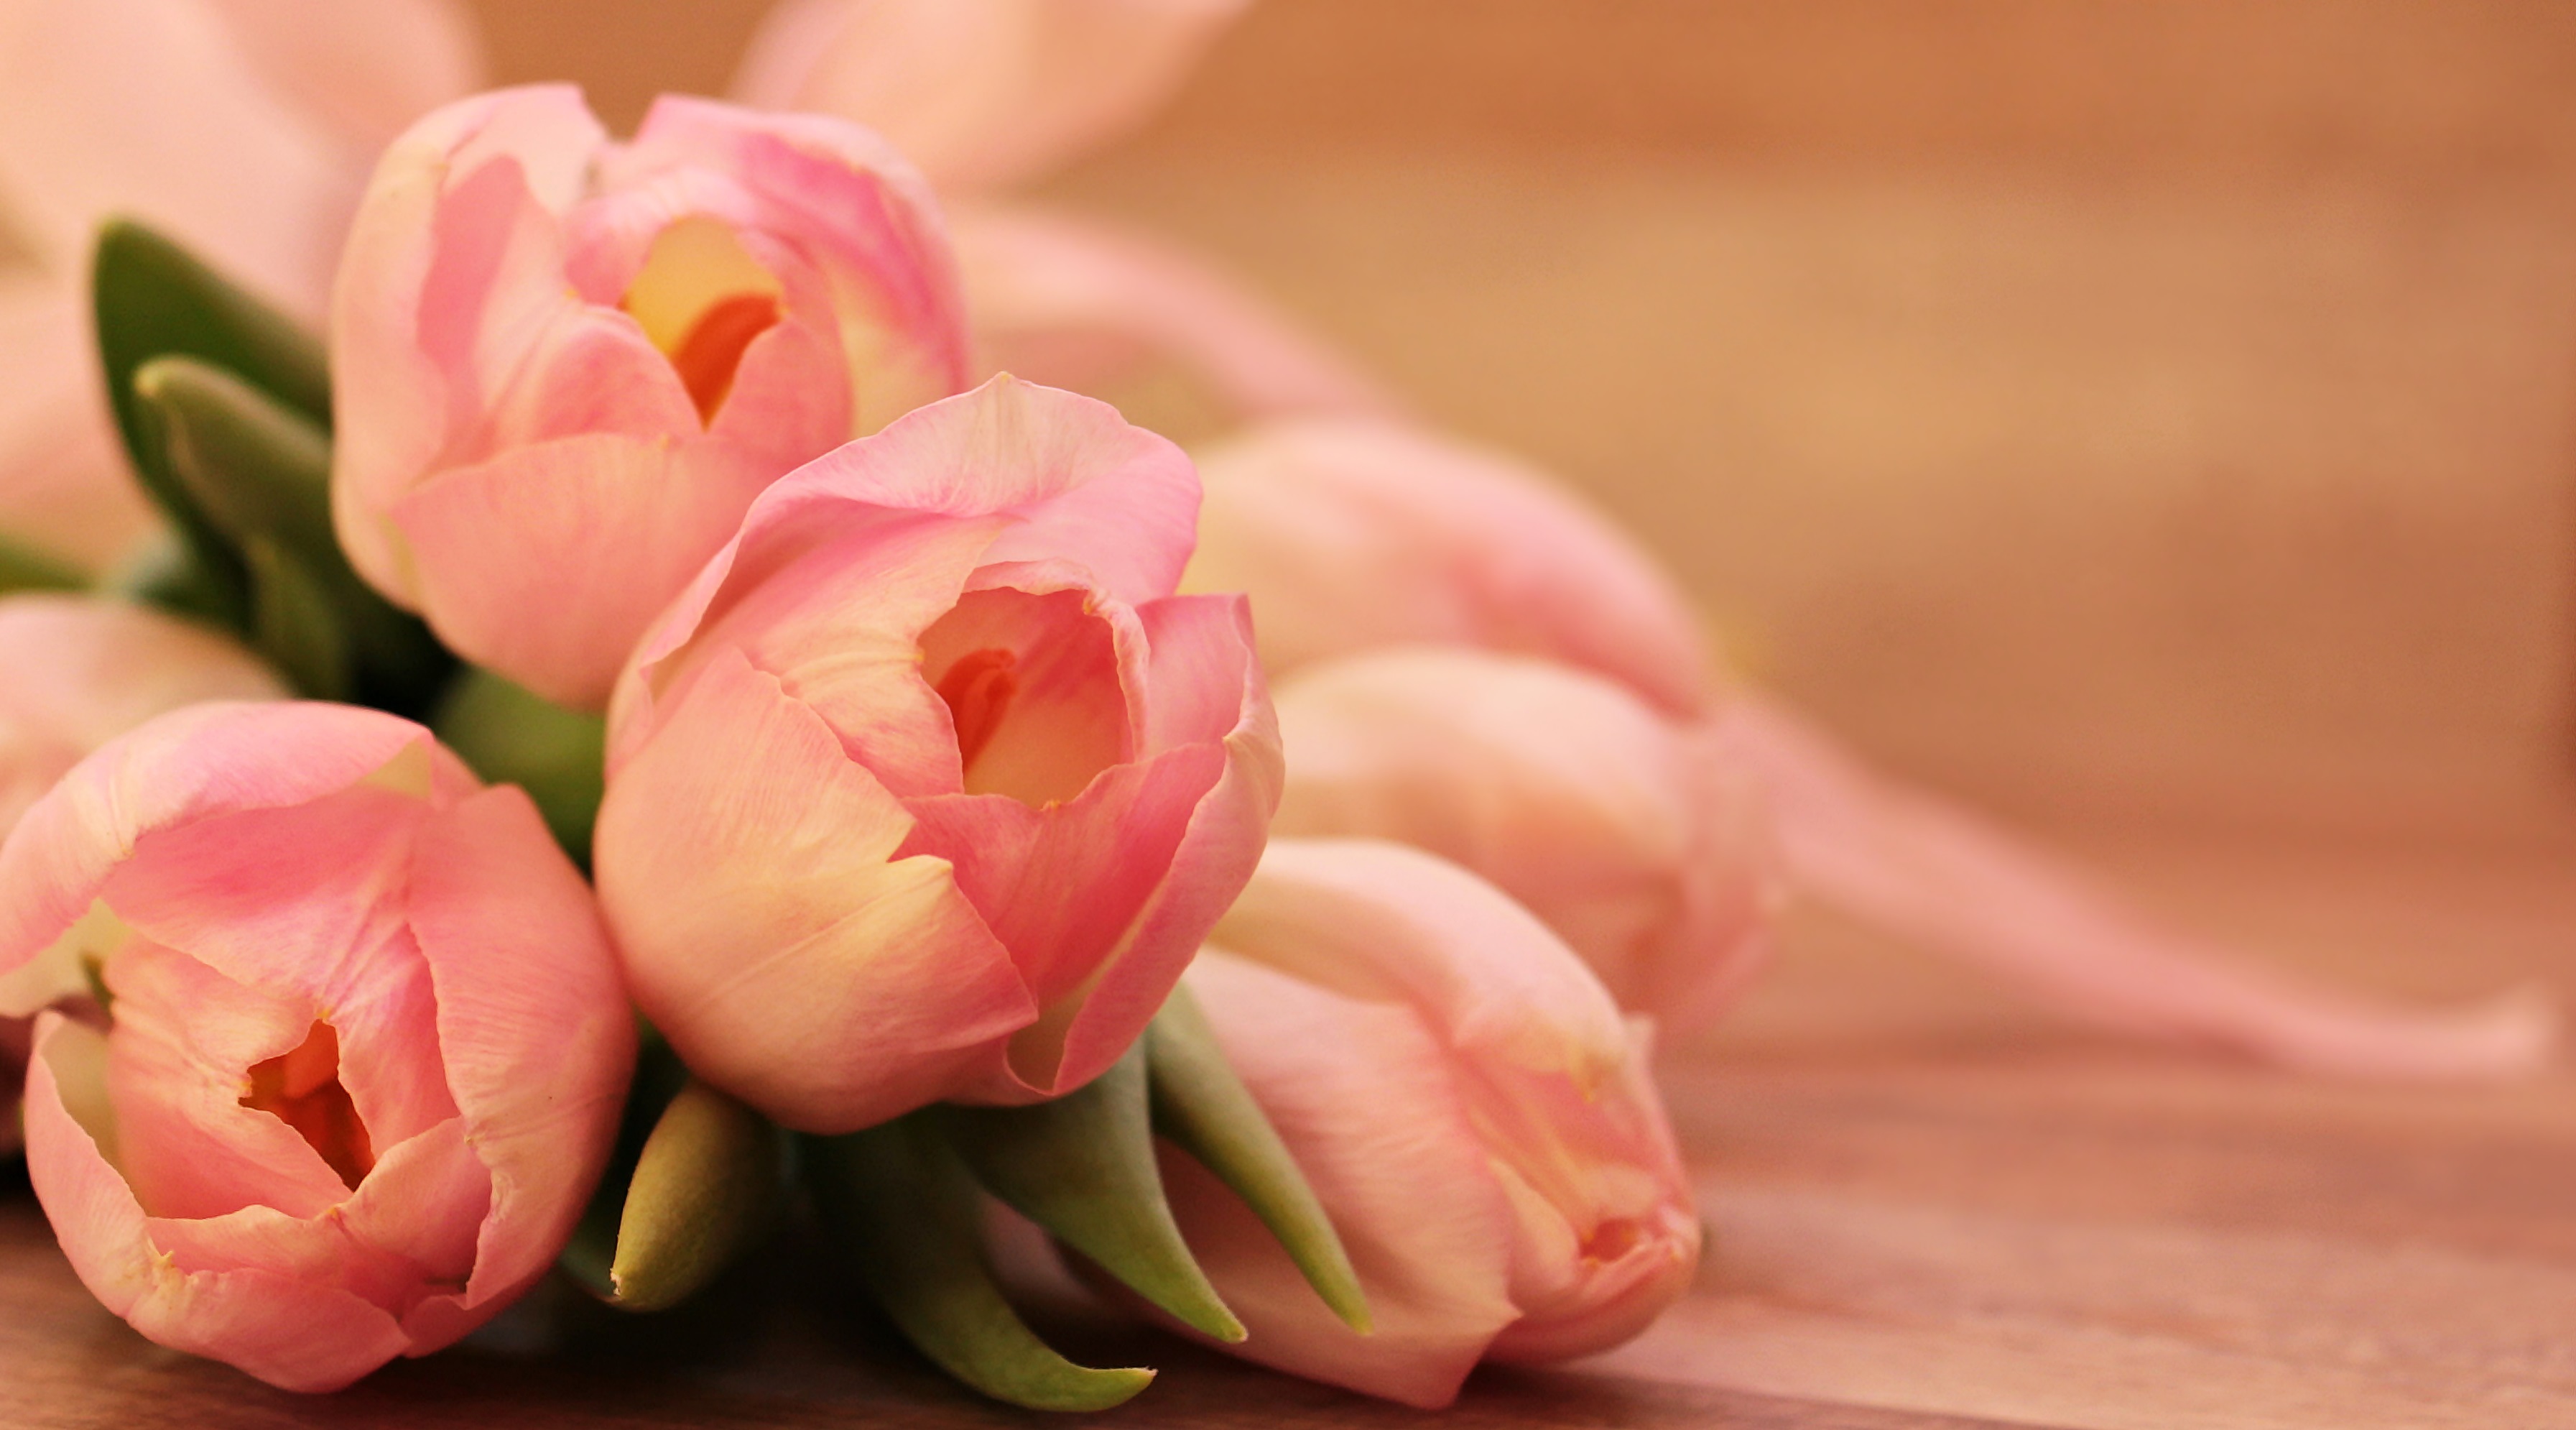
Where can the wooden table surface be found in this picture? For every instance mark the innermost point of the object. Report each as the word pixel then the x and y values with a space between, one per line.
pixel 1928 1209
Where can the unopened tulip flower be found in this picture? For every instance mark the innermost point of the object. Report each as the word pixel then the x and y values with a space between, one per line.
pixel 564 367
pixel 243 130
pixel 1638 839
pixel 363 1053
pixel 1355 535
pixel 1467 1102
pixel 929 786
pixel 980 92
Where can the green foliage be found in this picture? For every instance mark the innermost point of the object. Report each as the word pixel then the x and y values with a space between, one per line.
pixel 153 299
pixel 1082 1166
pixel 900 1203
pixel 510 735
pixel 254 475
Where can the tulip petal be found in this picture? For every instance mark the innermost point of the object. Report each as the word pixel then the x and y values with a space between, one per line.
pixel 1389 923
pixel 839 1019
pixel 1931 871
pixel 1036 696
pixel 594 531
pixel 410 1227
pixel 1637 840
pixel 840 192
pixel 1436 1285
pixel 1073 302
pixel 302 904
pixel 292 1334
pixel 840 625
pixel 454 255
pixel 191 1148
pixel 1158 848
pixel 1216 856
pixel 1114 843
pixel 1352 534
pixel 981 92
pixel 191 764
pixel 1086 488
pixel 534 1032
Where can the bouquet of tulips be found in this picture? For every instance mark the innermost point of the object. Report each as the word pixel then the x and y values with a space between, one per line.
pixel 645 707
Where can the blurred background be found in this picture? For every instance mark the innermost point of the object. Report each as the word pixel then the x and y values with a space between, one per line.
pixel 2155 413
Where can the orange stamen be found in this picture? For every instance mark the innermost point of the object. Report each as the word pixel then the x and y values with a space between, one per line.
pixel 1612 1239
pixel 978 689
pixel 302 1089
pixel 712 352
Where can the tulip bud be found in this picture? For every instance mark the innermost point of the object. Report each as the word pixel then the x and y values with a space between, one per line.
pixel 1353 533
pixel 364 1044
pixel 1641 842
pixel 928 787
pixel 1468 1104
pixel 565 367
pixel 1352 536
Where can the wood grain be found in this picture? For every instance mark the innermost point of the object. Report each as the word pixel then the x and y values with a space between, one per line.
pixel 1928 1208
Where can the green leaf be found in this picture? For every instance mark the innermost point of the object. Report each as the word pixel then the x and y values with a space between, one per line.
pixel 151 299
pixel 705 1188
pixel 900 1201
pixel 510 735
pixel 257 474
pixel 23 568
pixel 1082 1166
pixel 1205 1110
pixel 159 572
pixel 294 623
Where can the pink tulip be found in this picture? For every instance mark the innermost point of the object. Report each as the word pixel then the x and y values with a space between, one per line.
pixel 366 1049
pixel 929 786
pixel 242 127
pixel 1637 839
pixel 981 93
pixel 1350 536
pixel 83 671
pixel 1470 1107
pixel 565 366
